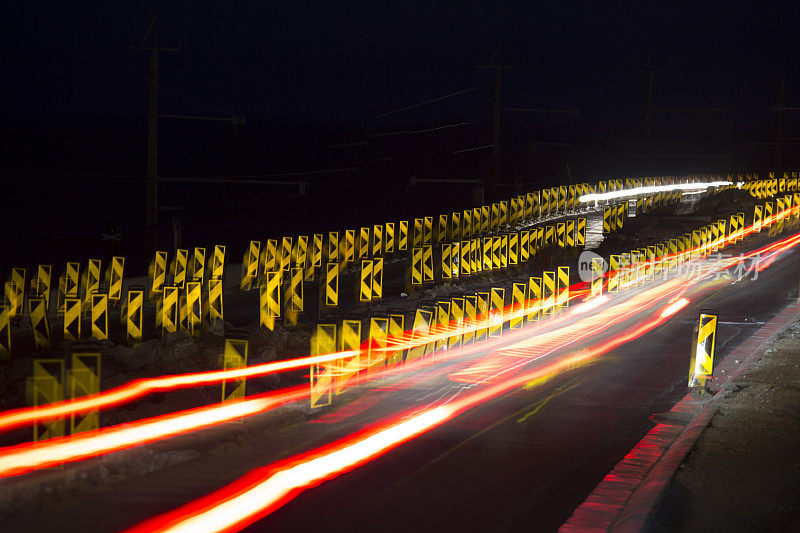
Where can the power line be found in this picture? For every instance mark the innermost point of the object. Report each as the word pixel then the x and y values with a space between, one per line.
pixel 437 99
pixel 81 200
pixel 151 178
pixel 196 101
pixel 498 69
pixel 545 100
pixel 284 174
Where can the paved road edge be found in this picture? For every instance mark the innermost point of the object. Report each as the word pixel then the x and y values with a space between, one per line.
pixel 626 499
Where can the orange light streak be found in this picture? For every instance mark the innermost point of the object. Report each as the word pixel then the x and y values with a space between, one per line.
pixel 22 458
pixel 139 388
pixel 55 451
pixel 266 489
pixel 533 347
pixel 136 389
pixel 26 457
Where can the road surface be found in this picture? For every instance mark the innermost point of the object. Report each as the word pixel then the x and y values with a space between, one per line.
pixel 523 460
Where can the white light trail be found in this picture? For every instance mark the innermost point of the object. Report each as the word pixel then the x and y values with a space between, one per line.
pixel 636 191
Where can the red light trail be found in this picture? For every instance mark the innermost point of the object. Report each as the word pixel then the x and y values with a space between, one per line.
pixel 29 456
pixel 139 388
pixel 142 387
pixel 23 458
pixel 266 489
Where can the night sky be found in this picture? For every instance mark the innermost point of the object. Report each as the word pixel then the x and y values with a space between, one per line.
pixel 354 61
pixel 309 75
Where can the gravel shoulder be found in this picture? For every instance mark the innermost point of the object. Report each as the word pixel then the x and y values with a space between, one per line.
pixel 744 472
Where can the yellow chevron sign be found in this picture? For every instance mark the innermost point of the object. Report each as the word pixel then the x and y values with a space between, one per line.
pixel 5 333
pixel 84 380
pixel 447 261
pixel 348 250
pixel 376 343
pixel 702 360
pixel 496 304
pixel 416 266
pixel 562 300
pixel 234 355
pixel 518 292
pixel 348 367
pixel 427 263
pixel 269 300
pixel 402 238
pixel 47 386
pixel 535 297
pixel 365 281
pixel 133 317
pixel 38 314
pixel 423 319
pixel 321 376
pixel 441 233
pixel 332 284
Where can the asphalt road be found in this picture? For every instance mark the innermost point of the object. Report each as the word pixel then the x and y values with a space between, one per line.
pixel 524 460
pixel 527 460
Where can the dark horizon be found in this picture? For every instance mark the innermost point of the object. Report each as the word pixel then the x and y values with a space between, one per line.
pixel 354 64
pixel 309 79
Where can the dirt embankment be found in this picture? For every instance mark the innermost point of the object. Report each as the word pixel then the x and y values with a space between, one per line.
pixel 668 222
pixel 179 353
pixel 744 472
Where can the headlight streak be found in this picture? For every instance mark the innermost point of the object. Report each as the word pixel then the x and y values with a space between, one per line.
pixel 266 489
pixel 204 515
pixel 536 347
pixel 47 456
pixel 636 191
pixel 23 458
pixel 590 305
pixel 139 388
pixel 142 387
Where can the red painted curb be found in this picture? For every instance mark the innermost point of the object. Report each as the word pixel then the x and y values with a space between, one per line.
pixel 627 497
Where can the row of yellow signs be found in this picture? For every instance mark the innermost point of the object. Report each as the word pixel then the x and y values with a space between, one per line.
pixel 304 253
pixel 646 263
pixel 445 325
pixel 375 241
pixel 776 211
pixel 645 204
pixel 466 319
pixel 771 187
pixel 650 262
pixel 494 253
pixel 52 382
pixel 72 284
pixel 179 305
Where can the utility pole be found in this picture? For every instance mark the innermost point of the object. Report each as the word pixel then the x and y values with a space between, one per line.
pixel 780 142
pixel 649 110
pixel 151 178
pixel 648 105
pixel 498 69
pixel 779 127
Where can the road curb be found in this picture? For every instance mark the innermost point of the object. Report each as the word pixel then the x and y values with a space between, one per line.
pixel 626 499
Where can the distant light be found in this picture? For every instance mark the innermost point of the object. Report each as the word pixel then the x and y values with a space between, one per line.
pixel 674 307
pixel 635 191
